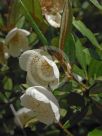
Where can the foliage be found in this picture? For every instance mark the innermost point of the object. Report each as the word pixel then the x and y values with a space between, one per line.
pixel 77 49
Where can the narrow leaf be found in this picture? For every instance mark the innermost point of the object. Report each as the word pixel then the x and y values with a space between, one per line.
pixel 85 31
pixel 34 25
pixel 95 132
pixel 65 23
pixel 96 4
pixel 82 54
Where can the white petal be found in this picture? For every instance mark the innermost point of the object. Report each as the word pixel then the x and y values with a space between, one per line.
pixel 54 66
pixel 23 59
pixel 48 71
pixel 14 50
pixel 17 41
pixel 42 101
pixel 24 116
pixel 32 72
pixel 10 35
pixel 23 32
pixel 79 78
pixel 53 20
pixel 42 71
pixel 34 80
pixel 54 84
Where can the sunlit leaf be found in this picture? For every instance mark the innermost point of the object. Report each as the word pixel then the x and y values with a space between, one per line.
pixel 96 132
pixel 96 4
pixel 8 83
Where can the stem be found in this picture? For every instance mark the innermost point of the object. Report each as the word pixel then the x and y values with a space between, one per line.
pixel 80 83
pixel 65 130
pixel 58 55
pixel 34 25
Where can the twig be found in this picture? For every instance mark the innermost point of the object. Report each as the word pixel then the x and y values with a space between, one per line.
pixel 65 130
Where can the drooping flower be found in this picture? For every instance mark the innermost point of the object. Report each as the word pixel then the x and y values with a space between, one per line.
pixel 52 10
pixel 41 69
pixel 17 41
pixel 43 103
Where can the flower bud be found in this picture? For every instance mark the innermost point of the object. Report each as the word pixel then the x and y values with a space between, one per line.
pixel 17 41
pixel 41 70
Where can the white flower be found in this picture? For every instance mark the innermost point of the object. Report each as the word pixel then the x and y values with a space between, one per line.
pixel 54 19
pixel 41 70
pixel 52 9
pixel 25 116
pixel 17 41
pixel 43 103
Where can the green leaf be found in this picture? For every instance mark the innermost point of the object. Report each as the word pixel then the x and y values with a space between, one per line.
pixel 34 25
pixel 97 109
pixel 78 71
pixel 83 55
pixel 66 23
pixel 8 85
pixel 15 13
pixel 96 88
pixel 66 124
pixel 20 22
pixel 55 41
pixel 95 132
pixel 34 8
pixel 85 31
pixel 95 69
pixel 96 4
pixel 69 48
pixel 1 21
pixel 63 112
pixel 32 39
pixel 53 133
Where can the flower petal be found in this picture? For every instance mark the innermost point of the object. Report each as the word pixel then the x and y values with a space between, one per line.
pixel 23 59
pixel 53 19
pixel 42 71
pixel 23 32
pixel 10 35
pixel 14 51
pixel 48 71
pixel 17 41
pixel 24 115
pixel 43 102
